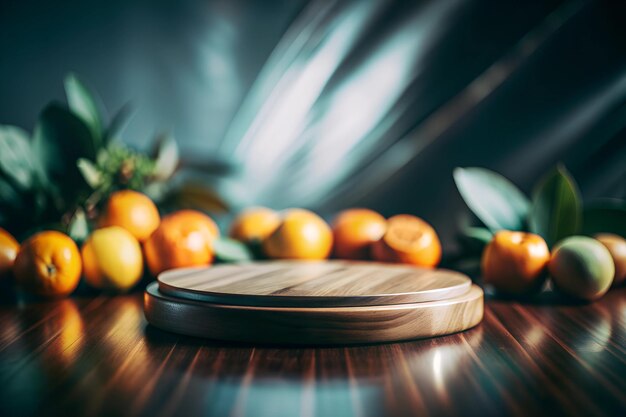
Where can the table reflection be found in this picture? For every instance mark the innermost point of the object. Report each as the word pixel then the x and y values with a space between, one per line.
pixel 100 355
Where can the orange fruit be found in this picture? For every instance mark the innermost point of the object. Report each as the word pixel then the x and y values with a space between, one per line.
pixel 184 238
pixel 112 259
pixel 48 264
pixel 617 247
pixel 8 251
pixel 515 262
pixel 301 234
pixel 133 211
pixel 410 240
pixel 254 224
pixel 354 231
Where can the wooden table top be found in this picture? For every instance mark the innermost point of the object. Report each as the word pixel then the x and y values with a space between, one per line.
pixel 97 356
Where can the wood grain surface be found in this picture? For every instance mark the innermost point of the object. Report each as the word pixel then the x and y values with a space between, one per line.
pixel 313 284
pixel 97 356
pixel 313 325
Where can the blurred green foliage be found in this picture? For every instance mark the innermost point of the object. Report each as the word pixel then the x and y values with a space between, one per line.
pixel 58 178
pixel 555 211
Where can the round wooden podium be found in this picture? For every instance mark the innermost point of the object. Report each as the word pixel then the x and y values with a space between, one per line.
pixel 325 302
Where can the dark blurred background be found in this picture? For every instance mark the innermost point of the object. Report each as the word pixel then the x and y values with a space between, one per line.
pixel 329 104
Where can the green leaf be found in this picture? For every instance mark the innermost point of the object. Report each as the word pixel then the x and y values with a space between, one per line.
pixel 9 197
pixel 82 102
pixel 157 190
pixel 78 228
pixel 474 239
pixel 60 139
pixel 556 211
pixel 492 198
pixel 230 250
pixel 167 158
pixel 605 217
pixel 197 195
pixel 41 202
pixel 16 156
pixel 118 123
pixel 90 172
pixel 479 234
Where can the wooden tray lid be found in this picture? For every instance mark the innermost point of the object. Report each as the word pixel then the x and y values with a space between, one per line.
pixel 313 284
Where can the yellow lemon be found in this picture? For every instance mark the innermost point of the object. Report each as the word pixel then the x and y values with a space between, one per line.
pixel 112 259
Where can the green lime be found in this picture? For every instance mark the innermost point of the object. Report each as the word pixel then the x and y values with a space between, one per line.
pixel 582 267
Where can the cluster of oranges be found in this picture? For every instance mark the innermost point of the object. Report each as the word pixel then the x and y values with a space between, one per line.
pixel 130 234
pixel 518 263
pixel 357 234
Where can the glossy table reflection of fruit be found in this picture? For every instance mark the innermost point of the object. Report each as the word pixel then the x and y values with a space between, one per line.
pixel 97 356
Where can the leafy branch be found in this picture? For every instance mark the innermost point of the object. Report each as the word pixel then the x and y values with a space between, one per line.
pixel 555 211
pixel 58 177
